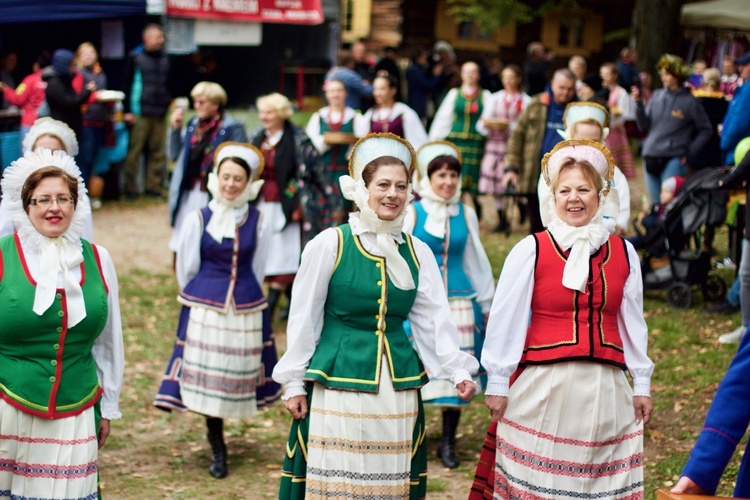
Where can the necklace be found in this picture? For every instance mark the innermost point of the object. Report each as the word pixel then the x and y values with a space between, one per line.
pixel 333 125
pixel 383 123
pixel 594 278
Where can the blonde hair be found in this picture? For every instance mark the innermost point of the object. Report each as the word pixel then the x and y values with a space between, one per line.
pixel 712 78
pixel 211 91
pixel 85 45
pixel 276 102
pixel 589 172
pixel 586 121
pixel 577 61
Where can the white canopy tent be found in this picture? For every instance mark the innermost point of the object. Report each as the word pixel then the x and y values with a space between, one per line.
pixel 718 14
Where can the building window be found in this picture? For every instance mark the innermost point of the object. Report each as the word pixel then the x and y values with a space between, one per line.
pixel 467 35
pixel 573 33
pixel 355 19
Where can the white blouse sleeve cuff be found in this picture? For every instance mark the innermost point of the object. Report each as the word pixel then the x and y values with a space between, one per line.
pixel 294 388
pixel 642 386
pixel 460 375
pixel 497 386
pixel 109 411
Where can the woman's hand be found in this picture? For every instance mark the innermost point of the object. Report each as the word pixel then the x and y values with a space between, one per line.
pixel 178 116
pixel 466 390
pixel 686 486
pixel 297 406
pixel 635 93
pixel 643 409
pixel 103 431
pixel 497 406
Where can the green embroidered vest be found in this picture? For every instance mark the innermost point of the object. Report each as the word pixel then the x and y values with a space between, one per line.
pixel 364 317
pixel 47 369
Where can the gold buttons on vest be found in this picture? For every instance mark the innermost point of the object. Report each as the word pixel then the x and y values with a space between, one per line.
pixel 380 301
pixel 377 264
pixel 380 283
pixel 59 328
pixel 377 316
pixel 53 362
pixel 61 313
pixel 52 379
pixel 378 332
pixel 56 347
pixel 59 296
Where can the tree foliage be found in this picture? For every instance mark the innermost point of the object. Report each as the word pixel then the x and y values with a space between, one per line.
pixel 491 15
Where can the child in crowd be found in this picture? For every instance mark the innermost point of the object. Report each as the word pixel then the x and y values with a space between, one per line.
pixel 647 224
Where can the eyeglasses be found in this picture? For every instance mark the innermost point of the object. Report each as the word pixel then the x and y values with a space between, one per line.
pixel 46 201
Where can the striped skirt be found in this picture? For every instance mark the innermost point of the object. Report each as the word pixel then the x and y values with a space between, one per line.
pixel 569 432
pixel 617 142
pixel 356 445
pixel 222 363
pixel 47 459
pixel 442 392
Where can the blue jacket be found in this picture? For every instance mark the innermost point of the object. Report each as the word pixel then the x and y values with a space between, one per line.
pixel 736 124
pixel 178 145
pixel 356 88
pixel 420 83
pixel 726 424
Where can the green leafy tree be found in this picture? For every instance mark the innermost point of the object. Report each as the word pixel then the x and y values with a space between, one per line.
pixel 491 15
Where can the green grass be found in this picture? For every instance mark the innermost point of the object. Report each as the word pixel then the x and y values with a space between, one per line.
pixel 152 454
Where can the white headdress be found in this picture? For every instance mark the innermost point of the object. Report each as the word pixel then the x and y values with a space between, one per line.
pixel 367 149
pixel 584 110
pixel 222 223
pixel 56 255
pixel 49 126
pixel 436 217
pixel 582 241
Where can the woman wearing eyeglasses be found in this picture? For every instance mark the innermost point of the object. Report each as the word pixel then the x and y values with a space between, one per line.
pixel 61 349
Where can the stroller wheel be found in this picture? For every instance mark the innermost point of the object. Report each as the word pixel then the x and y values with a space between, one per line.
pixel 714 289
pixel 679 296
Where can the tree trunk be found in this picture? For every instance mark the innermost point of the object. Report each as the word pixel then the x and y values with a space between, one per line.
pixel 656 29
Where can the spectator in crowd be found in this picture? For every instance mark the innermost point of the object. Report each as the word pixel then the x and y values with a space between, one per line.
pixel 723 429
pixel 696 77
pixel 627 70
pixel 64 102
pixel 676 125
pixel 365 68
pixel 357 89
pixel 442 53
pixel 715 105
pixel 96 114
pixel 535 68
pixel 192 149
pixel 646 86
pixel 30 94
pixel 145 111
pixel 729 77
pixel 534 136
pixel 491 68
pixel 421 82
pixel 736 126
pixel 8 64
pixel 622 108
pixel 389 64
pixel 577 64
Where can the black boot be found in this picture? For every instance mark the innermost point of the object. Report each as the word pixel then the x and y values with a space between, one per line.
pixel 446 448
pixel 218 468
pixel 273 299
pixel 502 222
pixel 284 313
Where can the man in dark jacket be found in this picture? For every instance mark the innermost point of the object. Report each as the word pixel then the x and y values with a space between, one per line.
pixel 145 110
pixel 64 103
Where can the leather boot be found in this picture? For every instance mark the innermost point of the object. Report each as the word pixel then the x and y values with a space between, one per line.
pixel 502 222
pixel 446 448
pixel 218 468
pixel 273 299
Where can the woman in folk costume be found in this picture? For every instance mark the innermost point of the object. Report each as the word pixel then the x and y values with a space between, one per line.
pixel 565 324
pixel 192 148
pixel 451 230
pixel 331 130
pixel 623 109
pixel 54 135
pixel 351 376
pixel 222 354
pixel 295 195
pixel 499 117
pixel 389 115
pixel 457 119
pixel 61 349
pixel 590 120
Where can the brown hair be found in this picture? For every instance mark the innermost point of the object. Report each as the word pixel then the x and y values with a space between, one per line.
pixel 588 171
pixel 586 121
pixel 610 66
pixel 37 176
pixel 369 171
pixel 451 162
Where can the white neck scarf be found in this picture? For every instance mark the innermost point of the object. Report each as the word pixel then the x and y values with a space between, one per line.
pixel 223 224
pixel 581 241
pixel 385 231
pixel 438 214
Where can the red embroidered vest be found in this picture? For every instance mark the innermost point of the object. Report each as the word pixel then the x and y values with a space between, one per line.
pixel 568 325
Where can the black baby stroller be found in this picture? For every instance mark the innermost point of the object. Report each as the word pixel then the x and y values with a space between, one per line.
pixel 679 237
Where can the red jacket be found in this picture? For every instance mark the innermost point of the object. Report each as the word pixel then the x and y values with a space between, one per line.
pixel 28 96
pixel 568 325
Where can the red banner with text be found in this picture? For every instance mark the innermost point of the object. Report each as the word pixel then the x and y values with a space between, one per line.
pixel 264 11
